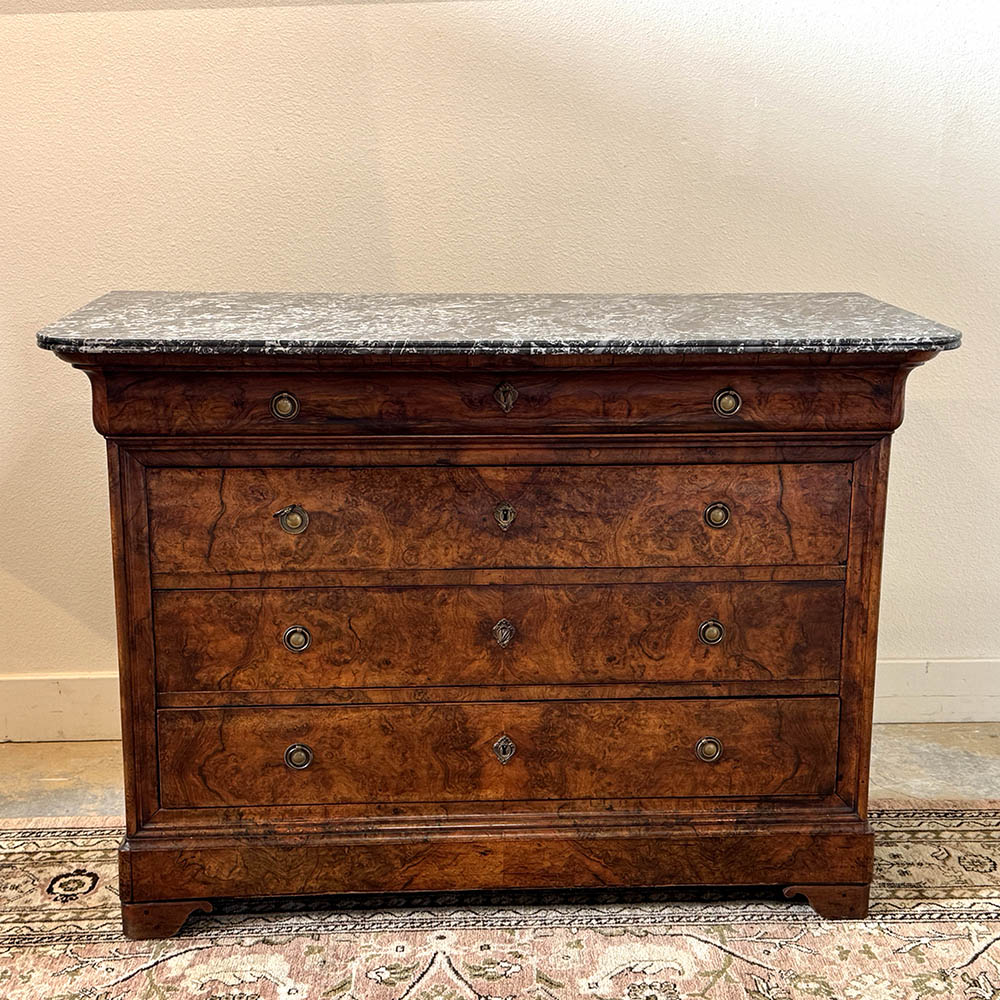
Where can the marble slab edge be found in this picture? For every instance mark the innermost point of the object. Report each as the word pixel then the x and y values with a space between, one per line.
pixel 644 347
pixel 241 323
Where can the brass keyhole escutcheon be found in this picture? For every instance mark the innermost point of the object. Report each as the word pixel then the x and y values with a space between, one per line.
pixel 292 519
pixel 711 632
pixel 504 748
pixel 284 406
pixel 717 515
pixel 506 395
pixel 504 632
pixel 298 756
pixel 708 749
pixel 504 515
pixel 727 402
pixel 297 638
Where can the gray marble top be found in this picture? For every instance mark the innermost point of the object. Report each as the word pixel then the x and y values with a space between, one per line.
pixel 322 323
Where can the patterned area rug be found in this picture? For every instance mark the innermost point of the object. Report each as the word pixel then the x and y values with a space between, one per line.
pixel 934 931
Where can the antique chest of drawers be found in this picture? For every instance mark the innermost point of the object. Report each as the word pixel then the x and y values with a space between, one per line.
pixel 422 593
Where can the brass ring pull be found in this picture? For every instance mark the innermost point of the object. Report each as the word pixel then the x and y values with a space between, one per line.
pixel 727 402
pixel 506 395
pixel 504 515
pixel 711 632
pixel 297 638
pixel 284 406
pixel 504 748
pixel 717 515
pixel 298 756
pixel 708 749
pixel 504 632
pixel 292 519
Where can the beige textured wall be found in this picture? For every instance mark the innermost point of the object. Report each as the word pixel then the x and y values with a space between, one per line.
pixel 493 145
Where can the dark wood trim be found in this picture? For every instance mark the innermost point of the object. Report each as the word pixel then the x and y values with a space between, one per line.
pixel 755 360
pixel 487 577
pixel 586 817
pixel 507 692
pixel 452 450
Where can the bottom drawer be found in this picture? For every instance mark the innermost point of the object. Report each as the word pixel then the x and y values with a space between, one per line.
pixel 497 751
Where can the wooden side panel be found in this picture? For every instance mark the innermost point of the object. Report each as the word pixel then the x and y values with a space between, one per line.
pixel 222 520
pixel 540 402
pixel 449 752
pixel 374 637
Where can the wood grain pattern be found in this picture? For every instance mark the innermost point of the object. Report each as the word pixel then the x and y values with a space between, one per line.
pixel 557 402
pixel 633 855
pixel 222 520
pixel 415 636
pixel 565 750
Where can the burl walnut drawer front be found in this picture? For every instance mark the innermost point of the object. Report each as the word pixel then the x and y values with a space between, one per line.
pixel 259 520
pixel 473 402
pixel 260 640
pixel 482 752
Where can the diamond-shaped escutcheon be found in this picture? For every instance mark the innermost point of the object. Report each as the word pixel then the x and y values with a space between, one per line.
pixel 506 395
pixel 504 632
pixel 504 748
pixel 504 515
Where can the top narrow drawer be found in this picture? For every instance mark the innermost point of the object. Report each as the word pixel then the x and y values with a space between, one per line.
pixel 497 403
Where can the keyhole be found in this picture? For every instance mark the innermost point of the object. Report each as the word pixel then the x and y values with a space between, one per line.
pixel 504 515
pixel 506 395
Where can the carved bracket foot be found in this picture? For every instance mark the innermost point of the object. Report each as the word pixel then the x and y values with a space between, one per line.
pixel 143 921
pixel 834 902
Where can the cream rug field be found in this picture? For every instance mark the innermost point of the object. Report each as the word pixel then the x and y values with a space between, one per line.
pixel 934 931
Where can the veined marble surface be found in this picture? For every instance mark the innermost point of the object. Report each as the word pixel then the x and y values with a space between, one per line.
pixel 326 323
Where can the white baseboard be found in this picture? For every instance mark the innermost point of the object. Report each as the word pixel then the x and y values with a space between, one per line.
pixel 937 691
pixel 84 706
pixel 41 707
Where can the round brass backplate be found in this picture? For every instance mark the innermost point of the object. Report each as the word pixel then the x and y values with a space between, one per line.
pixel 708 749
pixel 711 632
pixel 727 402
pixel 284 406
pixel 297 638
pixel 292 519
pixel 298 756
pixel 717 515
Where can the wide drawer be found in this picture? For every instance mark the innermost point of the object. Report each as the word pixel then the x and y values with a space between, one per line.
pixel 370 637
pixel 497 403
pixel 207 520
pixel 497 751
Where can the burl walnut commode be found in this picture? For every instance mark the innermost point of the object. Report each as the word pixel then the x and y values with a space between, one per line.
pixel 444 592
